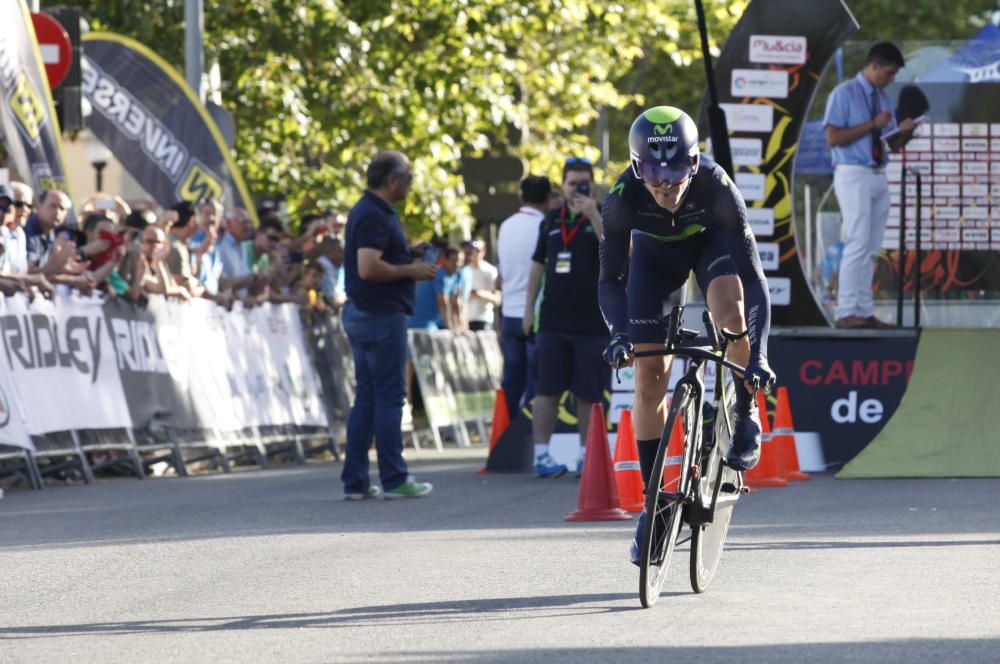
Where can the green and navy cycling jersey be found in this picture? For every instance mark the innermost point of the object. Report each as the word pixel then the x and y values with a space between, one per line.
pixel 712 205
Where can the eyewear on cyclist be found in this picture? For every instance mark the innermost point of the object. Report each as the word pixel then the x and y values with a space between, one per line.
pixel 657 173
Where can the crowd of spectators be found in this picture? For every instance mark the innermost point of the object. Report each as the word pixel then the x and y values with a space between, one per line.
pixel 195 249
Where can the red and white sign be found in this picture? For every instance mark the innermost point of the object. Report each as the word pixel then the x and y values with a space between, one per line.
pixel 53 42
pixel 778 49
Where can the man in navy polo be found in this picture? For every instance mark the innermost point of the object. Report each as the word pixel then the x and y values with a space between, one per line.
pixel 380 276
pixel 571 332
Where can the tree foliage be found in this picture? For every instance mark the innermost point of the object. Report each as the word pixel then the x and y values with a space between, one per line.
pixel 318 86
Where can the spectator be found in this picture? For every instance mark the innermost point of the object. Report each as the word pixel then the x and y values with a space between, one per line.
pixel 448 291
pixel 178 259
pixel 237 273
pixel 15 203
pixel 426 312
pixel 206 261
pixel 41 236
pixel 104 246
pixel 329 255
pixel 135 224
pixel 380 275
pixel 858 115
pixel 145 271
pixel 479 279
pixel 571 329
pixel 515 245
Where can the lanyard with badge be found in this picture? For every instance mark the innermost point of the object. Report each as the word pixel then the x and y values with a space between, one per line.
pixel 564 259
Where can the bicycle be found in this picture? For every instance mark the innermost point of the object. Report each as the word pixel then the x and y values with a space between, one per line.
pixel 700 491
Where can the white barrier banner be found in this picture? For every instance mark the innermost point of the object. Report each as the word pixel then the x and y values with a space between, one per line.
pixel 12 429
pixel 61 364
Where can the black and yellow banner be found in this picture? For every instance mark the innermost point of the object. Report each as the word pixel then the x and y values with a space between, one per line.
pixel 153 123
pixel 28 122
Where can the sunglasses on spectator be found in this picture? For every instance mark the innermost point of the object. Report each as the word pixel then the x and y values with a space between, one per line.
pixel 151 240
pixel 21 204
pixel 572 161
pixel 272 238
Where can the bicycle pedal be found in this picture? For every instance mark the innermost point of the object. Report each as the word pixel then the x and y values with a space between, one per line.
pixel 729 487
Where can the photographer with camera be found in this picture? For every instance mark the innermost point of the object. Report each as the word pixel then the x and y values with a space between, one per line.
pixel 570 328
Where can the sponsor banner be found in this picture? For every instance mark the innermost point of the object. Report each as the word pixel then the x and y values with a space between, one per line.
pixel 844 388
pixel 439 399
pixel 751 185
pixel 151 393
pixel 771 83
pixel 333 359
pixel 778 49
pixel 154 124
pixel 747 151
pixel 761 221
pixel 749 117
pixel 59 360
pixel 780 37
pixel 780 289
pixel 28 124
pixel 769 257
pixel 12 426
pixel 458 375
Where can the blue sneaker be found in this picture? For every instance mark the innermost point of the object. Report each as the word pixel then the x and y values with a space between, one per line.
pixel 744 453
pixel 546 466
pixel 633 552
pixel 579 467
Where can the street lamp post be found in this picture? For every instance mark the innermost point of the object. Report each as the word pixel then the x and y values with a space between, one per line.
pixel 98 155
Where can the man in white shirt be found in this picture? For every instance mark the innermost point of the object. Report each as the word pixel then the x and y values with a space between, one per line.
pixel 515 245
pixel 479 279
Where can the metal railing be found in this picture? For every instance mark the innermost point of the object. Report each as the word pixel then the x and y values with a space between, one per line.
pixel 917 277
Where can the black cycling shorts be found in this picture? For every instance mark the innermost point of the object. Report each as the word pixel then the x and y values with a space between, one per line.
pixel 657 268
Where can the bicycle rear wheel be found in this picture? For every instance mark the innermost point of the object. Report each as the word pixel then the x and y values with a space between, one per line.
pixel 718 492
pixel 664 504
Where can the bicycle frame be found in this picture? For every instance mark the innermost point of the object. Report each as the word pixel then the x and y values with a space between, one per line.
pixel 698 513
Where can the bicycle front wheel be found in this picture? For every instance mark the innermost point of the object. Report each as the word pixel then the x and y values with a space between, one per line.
pixel 720 488
pixel 668 486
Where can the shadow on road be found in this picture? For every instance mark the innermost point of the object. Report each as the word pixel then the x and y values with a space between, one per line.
pixel 896 544
pixel 472 610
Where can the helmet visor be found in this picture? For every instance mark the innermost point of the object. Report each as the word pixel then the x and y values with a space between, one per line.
pixel 656 173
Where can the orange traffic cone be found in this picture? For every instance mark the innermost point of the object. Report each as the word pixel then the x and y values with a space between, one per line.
pixel 765 473
pixel 598 500
pixel 501 420
pixel 628 473
pixel 675 457
pixel 784 439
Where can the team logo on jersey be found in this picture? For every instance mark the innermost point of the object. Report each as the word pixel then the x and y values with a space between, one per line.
pixel 617 189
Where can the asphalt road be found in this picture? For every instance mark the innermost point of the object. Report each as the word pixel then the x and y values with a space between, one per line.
pixel 271 566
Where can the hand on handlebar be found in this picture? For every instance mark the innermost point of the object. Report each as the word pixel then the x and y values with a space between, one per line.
pixel 758 377
pixel 620 353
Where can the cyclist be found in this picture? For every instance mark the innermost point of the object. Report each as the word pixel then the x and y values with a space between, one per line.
pixel 670 212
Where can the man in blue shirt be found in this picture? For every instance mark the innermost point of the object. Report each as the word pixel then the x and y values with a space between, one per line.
pixel 858 120
pixel 448 287
pixel 380 275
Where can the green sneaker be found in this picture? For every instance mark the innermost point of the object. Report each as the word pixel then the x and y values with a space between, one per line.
pixel 368 494
pixel 409 489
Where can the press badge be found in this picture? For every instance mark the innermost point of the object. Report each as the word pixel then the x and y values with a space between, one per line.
pixel 563 259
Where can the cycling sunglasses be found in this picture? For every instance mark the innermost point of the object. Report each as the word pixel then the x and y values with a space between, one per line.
pixel 572 161
pixel 656 173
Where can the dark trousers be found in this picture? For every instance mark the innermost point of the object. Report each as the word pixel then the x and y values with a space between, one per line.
pixel 378 343
pixel 518 364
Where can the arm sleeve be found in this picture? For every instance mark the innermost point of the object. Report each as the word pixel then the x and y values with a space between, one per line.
pixel 836 109
pixel 614 262
pixel 731 214
pixel 372 232
pixel 542 244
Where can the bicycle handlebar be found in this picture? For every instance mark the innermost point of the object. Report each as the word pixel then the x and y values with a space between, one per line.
pixel 694 352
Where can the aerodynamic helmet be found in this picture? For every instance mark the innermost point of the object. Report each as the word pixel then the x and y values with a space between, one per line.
pixel 663 145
